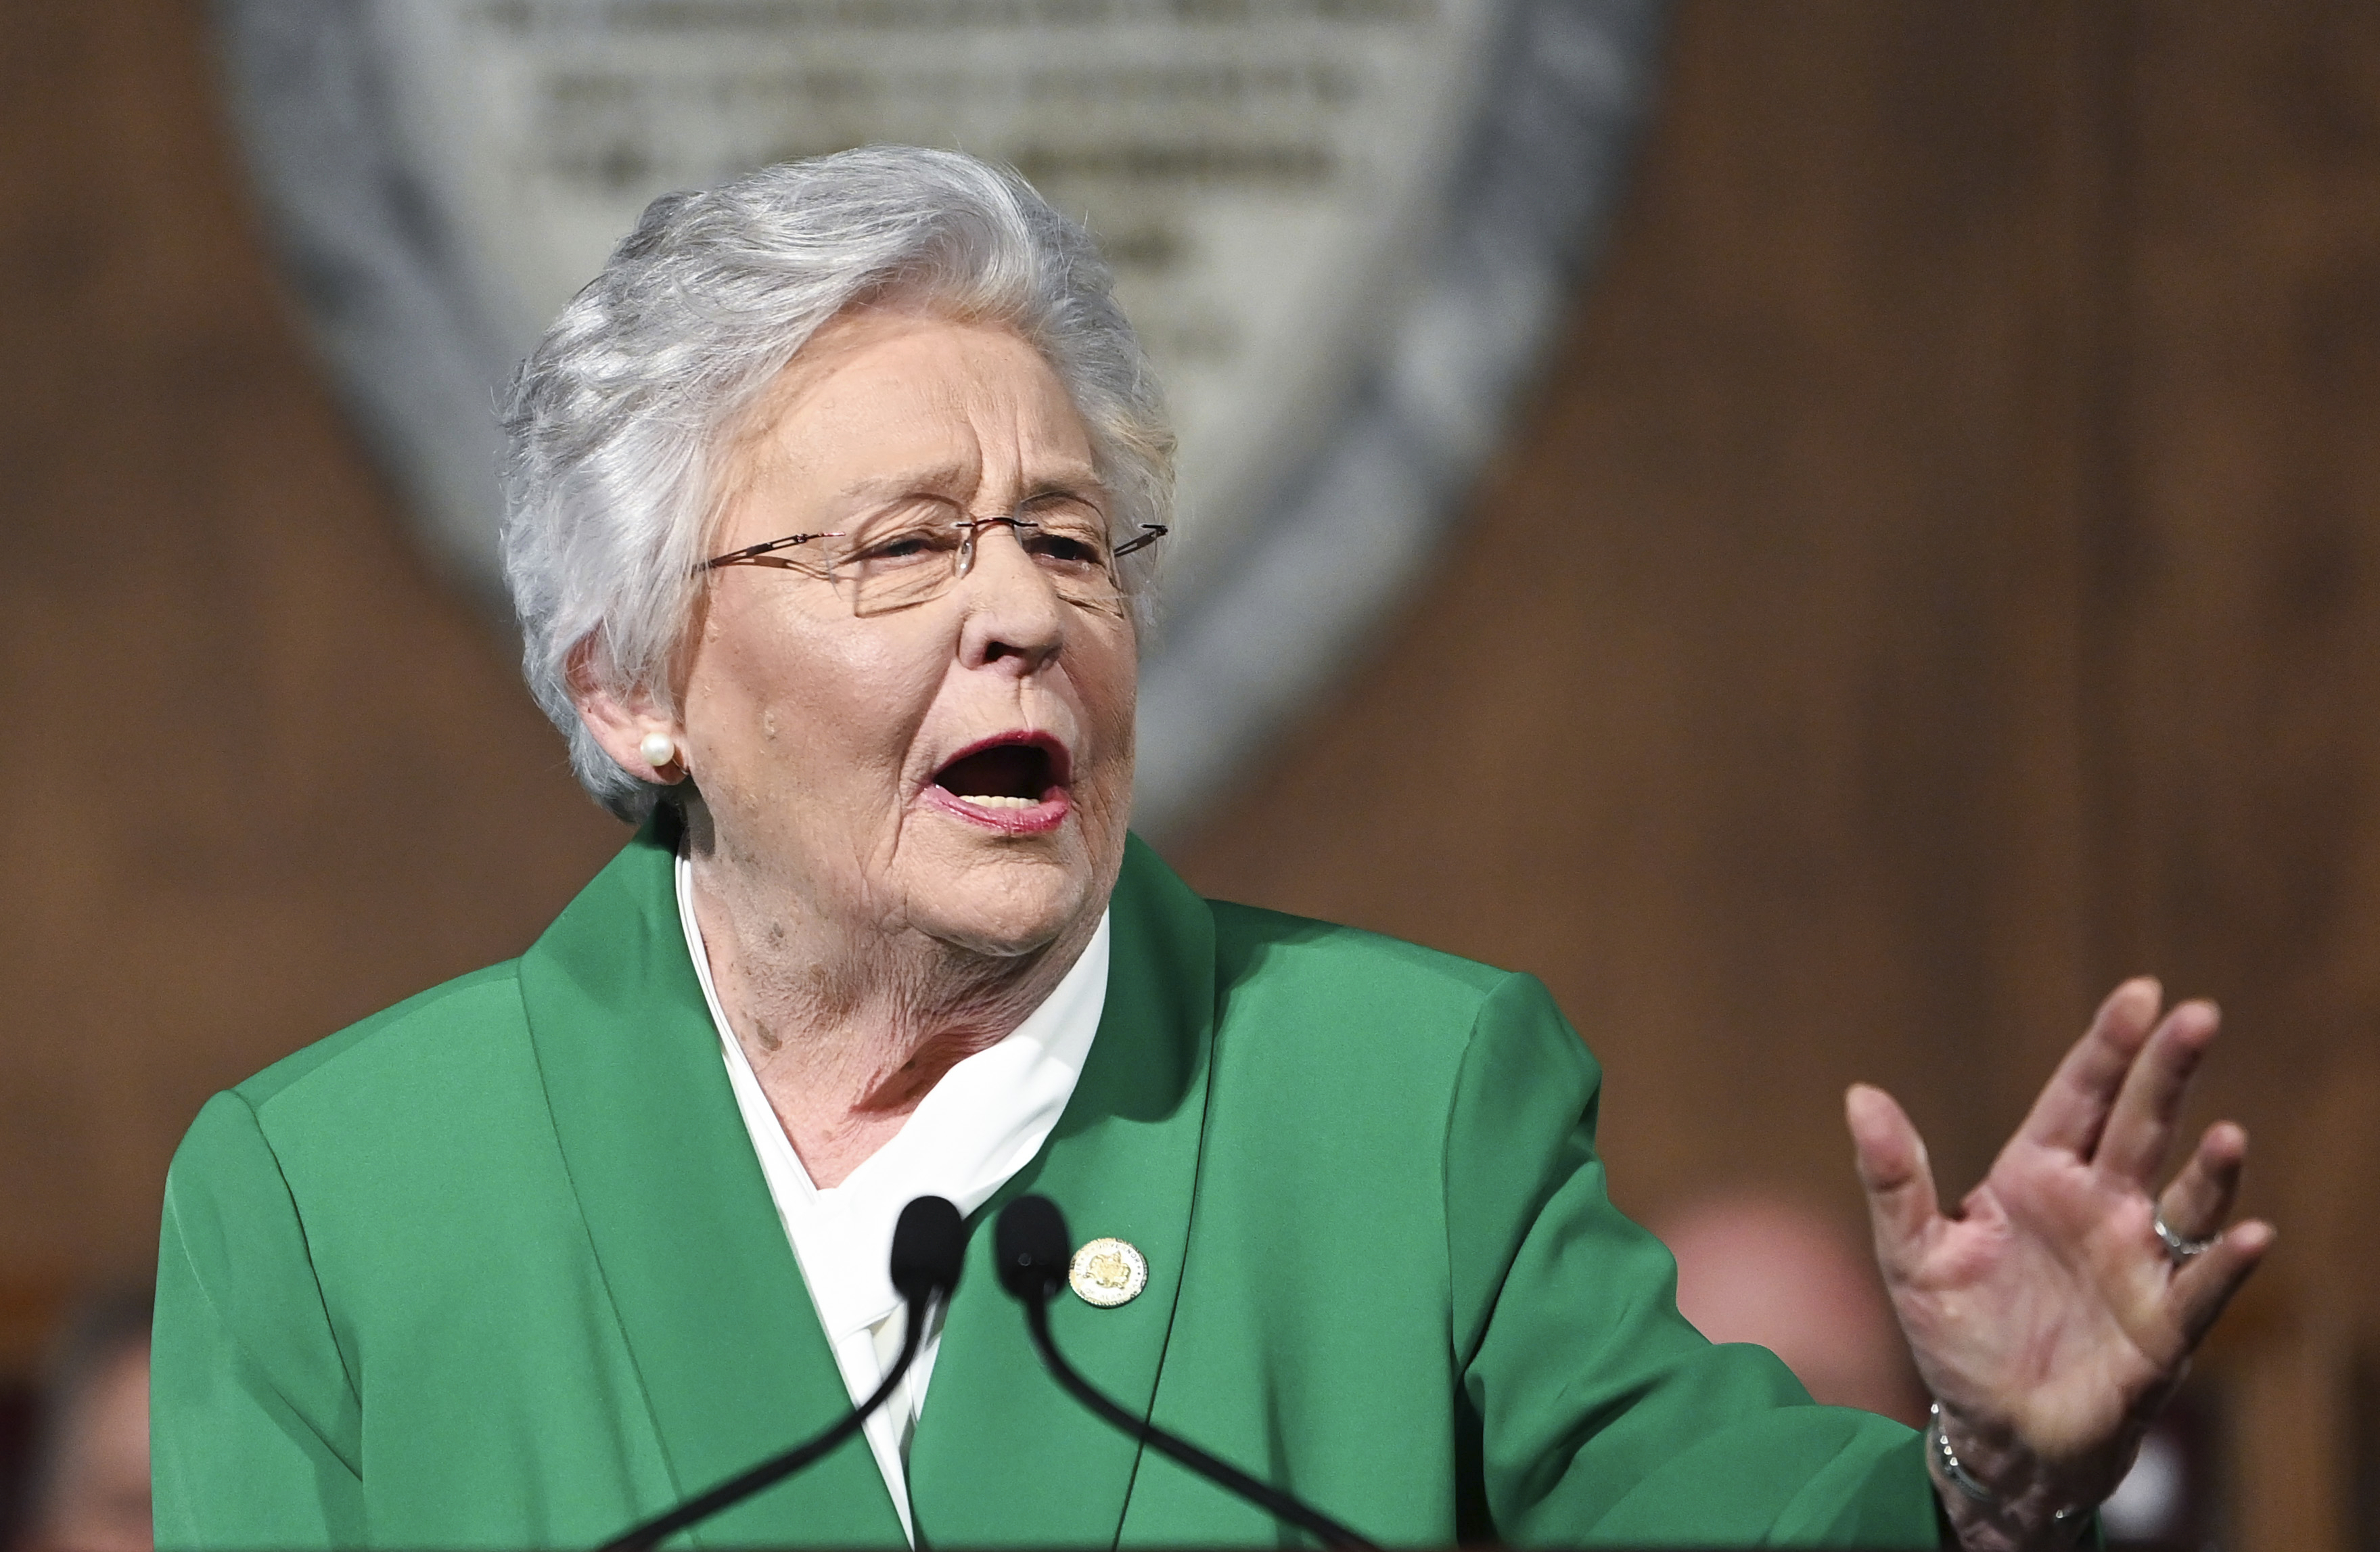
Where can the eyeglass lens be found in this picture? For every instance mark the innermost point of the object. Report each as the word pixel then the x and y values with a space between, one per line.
pixel 910 556
pixel 905 559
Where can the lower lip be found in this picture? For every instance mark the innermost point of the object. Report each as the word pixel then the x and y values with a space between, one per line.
pixel 1040 818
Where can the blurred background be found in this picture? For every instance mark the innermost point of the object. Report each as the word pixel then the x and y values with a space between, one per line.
pixel 1928 569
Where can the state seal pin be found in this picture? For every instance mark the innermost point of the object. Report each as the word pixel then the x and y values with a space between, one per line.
pixel 1107 1273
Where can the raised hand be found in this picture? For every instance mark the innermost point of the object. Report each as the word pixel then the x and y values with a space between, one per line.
pixel 2049 1318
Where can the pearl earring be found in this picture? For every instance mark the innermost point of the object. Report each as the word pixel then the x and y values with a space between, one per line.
pixel 659 749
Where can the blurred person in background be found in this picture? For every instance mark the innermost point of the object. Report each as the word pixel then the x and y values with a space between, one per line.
pixel 831 502
pixel 1757 1267
pixel 89 1490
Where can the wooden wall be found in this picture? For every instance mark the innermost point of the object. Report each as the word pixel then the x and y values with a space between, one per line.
pixel 1940 574
pixel 274 773
pixel 1940 577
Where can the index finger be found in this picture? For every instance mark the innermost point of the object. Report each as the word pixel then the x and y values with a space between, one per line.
pixel 2074 1104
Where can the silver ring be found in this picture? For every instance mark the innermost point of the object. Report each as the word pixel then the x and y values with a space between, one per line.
pixel 2177 1248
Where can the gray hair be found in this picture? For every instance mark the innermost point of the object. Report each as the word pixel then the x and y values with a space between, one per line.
pixel 620 423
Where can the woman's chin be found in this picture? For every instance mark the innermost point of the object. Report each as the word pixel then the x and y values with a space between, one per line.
pixel 1003 906
pixel 1006 879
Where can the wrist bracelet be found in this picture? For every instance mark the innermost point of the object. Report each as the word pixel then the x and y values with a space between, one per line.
pixel 1938 1441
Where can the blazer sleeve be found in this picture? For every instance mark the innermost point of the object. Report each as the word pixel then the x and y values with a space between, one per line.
pixel 255 1427
pixel 1593 1411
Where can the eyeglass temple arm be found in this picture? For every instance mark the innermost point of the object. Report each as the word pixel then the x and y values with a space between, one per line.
pixel 1149 534
pixel 754 551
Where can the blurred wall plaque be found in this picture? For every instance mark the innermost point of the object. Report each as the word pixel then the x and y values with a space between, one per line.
pixel 1343 226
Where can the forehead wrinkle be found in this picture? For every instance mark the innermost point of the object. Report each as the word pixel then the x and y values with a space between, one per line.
pixel 946 477
pixel 1040 471
pixel 1040 444
pixel 956 478
pixel 964 432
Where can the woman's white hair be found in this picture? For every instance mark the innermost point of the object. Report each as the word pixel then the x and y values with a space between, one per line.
pixel 621 422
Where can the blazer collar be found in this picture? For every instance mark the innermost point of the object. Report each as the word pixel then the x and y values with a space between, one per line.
pixel 709 1300
pixel 707 1295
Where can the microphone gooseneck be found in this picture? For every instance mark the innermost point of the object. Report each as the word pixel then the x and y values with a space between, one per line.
pixel 1029 1248
pixel 928 1248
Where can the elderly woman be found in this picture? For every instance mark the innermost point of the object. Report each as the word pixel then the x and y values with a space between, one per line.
pixel 830 499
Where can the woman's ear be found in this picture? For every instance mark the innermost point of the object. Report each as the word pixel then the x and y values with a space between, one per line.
pixel 641 738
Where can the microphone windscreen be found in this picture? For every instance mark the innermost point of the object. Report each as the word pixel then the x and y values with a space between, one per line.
pixel 1029 1247
pixel 928 1248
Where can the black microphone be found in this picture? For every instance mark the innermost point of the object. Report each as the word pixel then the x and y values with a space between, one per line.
pixel 1029 1248
pixel 928 1247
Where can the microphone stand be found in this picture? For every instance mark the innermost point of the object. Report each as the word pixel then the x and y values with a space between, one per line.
pixel 1032 1240
pixel 1329 1531
pixel 735 1489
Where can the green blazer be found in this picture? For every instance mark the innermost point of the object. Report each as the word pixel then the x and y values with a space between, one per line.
pixel 497 1268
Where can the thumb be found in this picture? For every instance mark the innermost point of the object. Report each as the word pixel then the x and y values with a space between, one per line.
pixel 1892 1169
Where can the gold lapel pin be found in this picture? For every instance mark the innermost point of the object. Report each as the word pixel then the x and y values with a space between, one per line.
pixel 1107 1273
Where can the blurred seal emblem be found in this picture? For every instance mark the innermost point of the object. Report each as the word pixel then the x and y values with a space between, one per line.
pixel 1107 1273
pixel 1343 228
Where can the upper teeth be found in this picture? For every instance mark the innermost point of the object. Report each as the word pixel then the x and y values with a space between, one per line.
pixel 995 802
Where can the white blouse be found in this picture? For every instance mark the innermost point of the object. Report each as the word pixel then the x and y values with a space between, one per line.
pixel 981 1123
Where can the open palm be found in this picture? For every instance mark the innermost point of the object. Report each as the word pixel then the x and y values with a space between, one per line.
pixel 2047 1317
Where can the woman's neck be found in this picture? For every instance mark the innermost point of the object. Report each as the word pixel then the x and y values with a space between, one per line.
pixel 848 1026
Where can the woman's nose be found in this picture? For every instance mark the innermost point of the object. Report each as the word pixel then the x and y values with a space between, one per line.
pixel 1013 615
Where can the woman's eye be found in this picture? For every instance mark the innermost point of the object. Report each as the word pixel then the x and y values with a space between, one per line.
pixel 1066 549
pixel 895 548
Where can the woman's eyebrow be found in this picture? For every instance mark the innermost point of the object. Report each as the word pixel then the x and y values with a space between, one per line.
pixel 941 480
pixel 1067 478
pixel 1086 488
pixel 947 481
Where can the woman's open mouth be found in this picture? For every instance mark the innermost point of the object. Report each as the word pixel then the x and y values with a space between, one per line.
pixel 1015 783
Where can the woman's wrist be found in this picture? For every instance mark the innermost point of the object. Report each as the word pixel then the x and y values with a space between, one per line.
pixel 1994 1495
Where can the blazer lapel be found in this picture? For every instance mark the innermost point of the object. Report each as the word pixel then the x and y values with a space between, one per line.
pixel 708 1297
pixel 1002 1457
